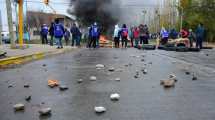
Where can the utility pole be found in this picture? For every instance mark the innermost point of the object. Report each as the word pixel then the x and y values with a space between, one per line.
pixel 0 29
pixel 21 23
pixel 10 23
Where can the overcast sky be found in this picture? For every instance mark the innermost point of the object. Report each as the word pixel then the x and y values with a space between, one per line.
pixel 131 8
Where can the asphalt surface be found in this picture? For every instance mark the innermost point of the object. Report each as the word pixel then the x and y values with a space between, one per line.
pixel 141 99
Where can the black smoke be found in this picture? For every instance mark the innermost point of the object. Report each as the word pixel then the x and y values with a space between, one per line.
pixel 105 12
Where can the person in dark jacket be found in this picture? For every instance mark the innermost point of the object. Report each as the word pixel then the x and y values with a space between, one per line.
pixel 44 32
pixel 58 33
pixel 67 36
pixel 51 33
pixel 144 34
pixel 191 37
pixel 200 33
pixel 75 35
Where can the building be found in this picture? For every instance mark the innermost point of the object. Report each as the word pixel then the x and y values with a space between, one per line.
pixel 36 19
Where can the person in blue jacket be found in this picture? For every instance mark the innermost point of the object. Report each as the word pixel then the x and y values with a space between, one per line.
pixel 200 33
pixel 94 35
pixel 58 33
pixel 44 33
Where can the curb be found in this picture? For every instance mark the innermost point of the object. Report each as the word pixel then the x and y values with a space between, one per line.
pixel 18 60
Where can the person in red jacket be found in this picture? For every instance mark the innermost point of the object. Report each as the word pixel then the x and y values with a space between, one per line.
pixel 136 36
pixel 184 33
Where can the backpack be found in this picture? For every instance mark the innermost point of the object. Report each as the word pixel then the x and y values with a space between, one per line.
pixel 124 32
pixel 58 32
pixel 95 31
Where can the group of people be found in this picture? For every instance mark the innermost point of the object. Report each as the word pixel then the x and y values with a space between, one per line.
pixel 57 32
pixel 197 36
pixel 137 35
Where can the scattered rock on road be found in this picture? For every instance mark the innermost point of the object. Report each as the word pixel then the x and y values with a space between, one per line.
pixel 100 66
pixel 63 88
pixel 28 98
pixel 100 109
pixel 80 81
pixel 168 83
pixel 93 78
pixel 194 78
pixel 114 97
pixel 44 65
pixel 45 111
pixel 19 107
pixel 111 69
pixel 26 85
pixel 187 73
pixel 53 83
pixel 117 79
pixel 10 85
pixel 144 71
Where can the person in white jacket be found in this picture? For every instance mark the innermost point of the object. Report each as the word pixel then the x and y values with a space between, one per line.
pixel 116 36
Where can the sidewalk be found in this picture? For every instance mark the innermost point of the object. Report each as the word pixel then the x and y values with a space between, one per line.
pixel 34 52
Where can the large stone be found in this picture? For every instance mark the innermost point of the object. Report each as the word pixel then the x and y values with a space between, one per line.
pixel 100 109
pixel 115 97
pixel 19 107
pixel 45 111
pixel 93 78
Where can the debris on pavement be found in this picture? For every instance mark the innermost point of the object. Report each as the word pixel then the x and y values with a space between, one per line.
pixel 53 83
pixel 28 98
pixel 144 71
pixel 19 107
pixel 100 109
pixel 80 81
pixel 45 111
pixel 111 69
pixel 44 65
pixel 194 78
pixel 10 85
pixel 63 87
pixel 117 79
pixel 114 97
pixel 26 85
pixel 173 77
pixel 93 78
pixel 100 66
pixel 168 83
pixel 187 73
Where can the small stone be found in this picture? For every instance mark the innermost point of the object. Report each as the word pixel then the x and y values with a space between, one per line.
pixel 45 111
pixel 80 81
pixel 100 109
pixel 10 86
pixel 44 65
pixel 207 54
pixel 26 85
pixel 63 88
pixel 173 77
pixel 100 66
pixel 19 107
pixel 144 71
pixel 187 73
pixel 28 98
pixel 93 78
pixel 136 76
pixel 142 60
pixel 117 79
pixel 115 97
pixel 111 69
pixel 168 83
pixel 194 78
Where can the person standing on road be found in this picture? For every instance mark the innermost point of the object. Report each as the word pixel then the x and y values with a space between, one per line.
pixel 136 36
pixel 44 32
pixel 124 35
pixel 51 33
pixel 94 34
pixel 116 36
pixel 143 32
pixel 131 36
pixel 67 36
pixel 200 33
pixel 75 35
pixel 191 37
pixel 58 33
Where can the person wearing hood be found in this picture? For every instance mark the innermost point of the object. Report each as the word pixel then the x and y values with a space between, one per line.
pixel 116 36
pixel 44 33
pixel 94 34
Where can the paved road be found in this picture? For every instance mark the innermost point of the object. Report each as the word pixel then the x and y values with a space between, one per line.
pixel 141 99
